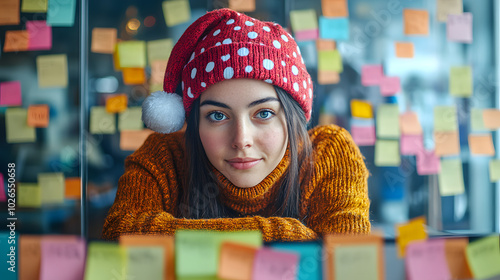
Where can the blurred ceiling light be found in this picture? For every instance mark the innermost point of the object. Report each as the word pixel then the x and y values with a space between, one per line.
pixel 149 21
pixel 106 84
pixel 133 24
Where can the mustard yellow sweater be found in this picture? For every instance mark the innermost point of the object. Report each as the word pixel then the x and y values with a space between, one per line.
pixel 335 200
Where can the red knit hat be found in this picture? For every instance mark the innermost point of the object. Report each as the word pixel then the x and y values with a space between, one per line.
pixel 224 44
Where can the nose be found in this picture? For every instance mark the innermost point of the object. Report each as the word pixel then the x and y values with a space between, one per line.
pixel 242 137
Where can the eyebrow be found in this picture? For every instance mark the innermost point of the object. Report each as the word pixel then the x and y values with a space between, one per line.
pixel 254 103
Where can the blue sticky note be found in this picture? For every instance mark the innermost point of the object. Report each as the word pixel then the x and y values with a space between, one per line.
pixel 9 258
pixel 61 12
pixel 310 267
pixel 334 28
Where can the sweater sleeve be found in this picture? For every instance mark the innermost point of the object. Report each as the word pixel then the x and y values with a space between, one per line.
pixel 339 202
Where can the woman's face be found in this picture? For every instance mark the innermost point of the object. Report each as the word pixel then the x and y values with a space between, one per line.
pixel 243 129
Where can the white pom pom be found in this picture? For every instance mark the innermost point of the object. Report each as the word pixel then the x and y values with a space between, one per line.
pixel 163 112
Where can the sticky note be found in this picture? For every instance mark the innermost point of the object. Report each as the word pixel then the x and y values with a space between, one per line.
pixel 10 93
pixel 176 12
pixel 446 143
pixel 404 49
pixel 325 44
pixel 105 261
pixel 491 118
pixel 445 118
pixel 483 256
pixel 409 124
pixel 29 256
pixel 411 144
pixel 446 7
pixel 132 53
pixel 330 61
pixel 9 259
pixel 116 103
pixel 389 86
pixel 326 119
pixel 334 28
pixel 133 76
pixel 451 179
pixel 328 77
pixel 158 72
pixel 388 121
pixel 456 258
pixel 334 8
pixel 72 188
pixel 145 263
pixel 414 230
pixel 39 34
pixel 52 187
pixel 9 12
pixel 416 22
pixel 242 5
pixel 38 115
pixel 371 75
pixel 236 261
pixel 34 6
pixel 3 196
pixel 310 260
pixel 101 122
pixel 494 170
pixel 361 109
pixel 459 28
pixel 63 258
pixel 159 50
pixel 61 13
pixel 387 153
pixel 476 120
pixel 130 119
pixel 52 70
pixel 131 140
pixel 305 35
pixel 427 260
pixel 428 163
pixel 481 144
pixel 271 264
pixel 16 41
pixel 29 195
pixel 363 135
pixel 461 81
pixel 17 129
pixel 303 20
pixel 103 40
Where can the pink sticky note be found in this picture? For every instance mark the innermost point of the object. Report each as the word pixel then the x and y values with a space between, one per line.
pixel 274 265
pixel 427 260
pixel 411 144
pixel 40 35
pixel 304 35
pixel 459 28
pixel 62 258
pixel 3 196
pixel 390 86
pixel 10 93
pixel 428 163
pixel 363 135
pixel 371 75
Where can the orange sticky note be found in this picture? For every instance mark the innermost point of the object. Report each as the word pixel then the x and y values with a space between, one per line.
pixel 325 44
pixel 455 251
pixel 236 261
pixel 326 77
pixel 103 40
pixel 131 140
pixel 72 188
pixel 242 5
pixel 491 118
pixel 133 76
pixel 409 124
pixel 404 49
pixel 416 22
pixel 481 145
pixel 38 115
pixel 116 59
pixel 30 257
pixel 334 8
pixel 116 103
pixel 446 143
pixel 16 41
pixel 9 12
pixel 361 109
pixel 158 71
pixel 411 231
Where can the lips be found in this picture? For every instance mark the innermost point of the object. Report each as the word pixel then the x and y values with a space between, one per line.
pixel 243 163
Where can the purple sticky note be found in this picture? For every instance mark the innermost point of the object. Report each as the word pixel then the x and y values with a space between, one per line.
pixel 363 135
pixel 275 265
pixel 371 75
pixel 305 35
pixel 411 144
pixel 428 163
pixel 459 28
pixel 10 93
pixel 62 258
pixel 40 35
pixel 427 260
pixel 3 196
pixel 389 86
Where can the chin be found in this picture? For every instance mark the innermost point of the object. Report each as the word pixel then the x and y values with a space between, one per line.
pixel 244 183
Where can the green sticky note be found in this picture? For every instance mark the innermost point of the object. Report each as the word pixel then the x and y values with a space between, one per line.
pixel 445 119
pixel 476 120
pixel 16 126
pixel 130 119
pixel 61 13
pixel 155 87
pixel 52 70
pixel 102 122
pixel 451 179
pixel 483 257
pixel 132 54
pixel 388 121
pixel 52 186
pixel 461 81
pixel 330 60
pixel 356 262
pixel 34 6
pixel 303 20
pixel 494 170
pixel 145 263
pixel 176 12
pixel 29 195
pixel 106 261
pixel 387 153
pixel 159 49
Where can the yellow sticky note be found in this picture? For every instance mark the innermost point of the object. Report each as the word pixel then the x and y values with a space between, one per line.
pixel 155 87
pixel 491 118
pixel 17 128
pixel 494 170
pixel 404 49
pixel 412 231
pixel 34 6
pixel 103 40
pixel 29 195
pixel 334 8
pixel 446 7
pixel 445 118
pixel 484 256
pixel 9 12
pixel 409 124
pixel 387 123
pixel 130 119
pixel 159 50
pixel 330 61
pixel 416 22
pixel 303 20
pixel 101 122
pixel 451 179
pixel 52 70
pixel 461 81
pixel 105 261
pixel 133 76
pixel 116 103
pixel 116 59
pixel 446 143
pixel 176 12
pixel 52 187
pixel 387 153
pixel 476 120
pixel 481 144
pixel 242 5
pixel 132 54
pixel 158 71
pixel 361 109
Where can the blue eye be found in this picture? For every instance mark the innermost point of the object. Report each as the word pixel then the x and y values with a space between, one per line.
pixel 265 114
pixel 216 116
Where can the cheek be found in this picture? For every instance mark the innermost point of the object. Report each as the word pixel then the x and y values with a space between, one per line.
pixel 274 141
pixel 212 141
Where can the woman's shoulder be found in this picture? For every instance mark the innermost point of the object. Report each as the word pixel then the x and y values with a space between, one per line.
pixel 330 134
pixel 158 147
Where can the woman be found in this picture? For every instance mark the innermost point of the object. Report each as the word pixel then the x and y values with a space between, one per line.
pixel 245 160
